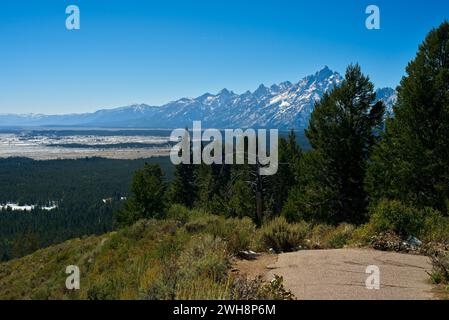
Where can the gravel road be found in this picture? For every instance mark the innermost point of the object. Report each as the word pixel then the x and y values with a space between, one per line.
pixel 341 275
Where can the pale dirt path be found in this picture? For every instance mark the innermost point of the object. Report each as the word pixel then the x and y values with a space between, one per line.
pixel 340 274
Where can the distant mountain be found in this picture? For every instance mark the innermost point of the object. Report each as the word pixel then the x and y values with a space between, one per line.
pixel 389 97
pixel 100 118
pixel 285 106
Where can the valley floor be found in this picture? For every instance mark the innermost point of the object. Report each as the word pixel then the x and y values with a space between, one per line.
pixel 50 153
pixel 341 274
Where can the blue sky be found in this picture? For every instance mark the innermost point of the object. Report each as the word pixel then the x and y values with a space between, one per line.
pixel 157 51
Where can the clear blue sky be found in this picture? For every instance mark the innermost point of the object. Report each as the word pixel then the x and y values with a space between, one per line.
pixel 157 51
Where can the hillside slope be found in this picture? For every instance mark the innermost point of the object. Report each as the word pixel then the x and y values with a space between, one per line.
pixel 128 264
pixel 149 260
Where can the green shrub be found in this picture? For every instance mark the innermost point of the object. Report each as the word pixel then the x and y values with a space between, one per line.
pixel 281 236
pixel 362 235
pixel 179 213
pixel 394 216
pixel 323 236
pixel 234 288
pixel 238 233
pixel 204 256
pixel 157 282
pixel 202 288
pixel 201 223
pixel 243 288
pixel 339 237
pixel 440 270
pixel 317 236
pixel 436 227
pixel 105 289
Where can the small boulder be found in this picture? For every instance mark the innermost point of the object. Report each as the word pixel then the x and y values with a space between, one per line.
pixel 248 255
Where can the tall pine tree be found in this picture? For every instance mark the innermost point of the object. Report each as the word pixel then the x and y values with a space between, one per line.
pixel 148 195
pixel 280 184
pixel 342 133
pixel 412 161
pixel 183 189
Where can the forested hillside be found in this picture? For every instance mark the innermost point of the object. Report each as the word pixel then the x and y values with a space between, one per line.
pixel 78 187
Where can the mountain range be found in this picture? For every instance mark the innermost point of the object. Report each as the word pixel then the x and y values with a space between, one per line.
pixel 285 106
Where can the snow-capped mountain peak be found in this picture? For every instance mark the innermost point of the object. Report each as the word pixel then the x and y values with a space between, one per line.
pixel 285 105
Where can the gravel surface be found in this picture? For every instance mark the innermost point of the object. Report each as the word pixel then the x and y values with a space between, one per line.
pixel 341 275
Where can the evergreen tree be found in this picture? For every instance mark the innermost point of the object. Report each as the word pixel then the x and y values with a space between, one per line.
pixel 412 161
pixel 148 188
pixel 211 184
pixel 183 189
pixel 342 132
pixel 205 184
pixel 242 202
pixel 281 183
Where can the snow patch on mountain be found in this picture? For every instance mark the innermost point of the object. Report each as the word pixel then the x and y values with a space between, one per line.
pixel 285 105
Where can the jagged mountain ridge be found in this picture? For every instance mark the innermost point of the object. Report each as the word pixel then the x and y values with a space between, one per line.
pixel 285 106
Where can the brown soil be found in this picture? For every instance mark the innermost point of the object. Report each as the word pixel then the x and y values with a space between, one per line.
pixel 254 268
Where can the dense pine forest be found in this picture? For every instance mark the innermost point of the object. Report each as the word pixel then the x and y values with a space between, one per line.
pixel 78 187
